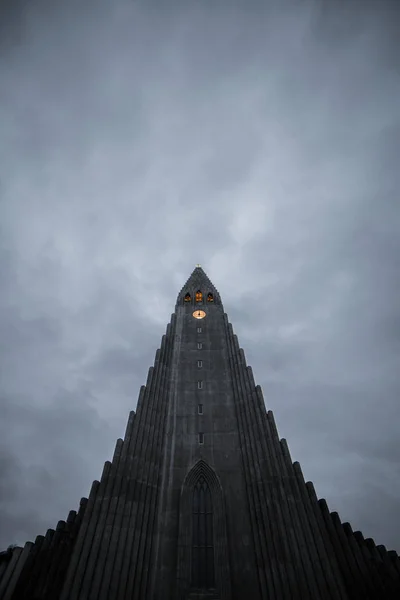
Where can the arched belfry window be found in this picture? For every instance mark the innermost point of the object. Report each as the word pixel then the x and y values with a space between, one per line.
pixel 203 575
pixel 188 297
pixel 199 296
pixel 210 297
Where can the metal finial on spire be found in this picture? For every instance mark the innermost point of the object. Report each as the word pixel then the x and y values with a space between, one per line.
pixel 198 265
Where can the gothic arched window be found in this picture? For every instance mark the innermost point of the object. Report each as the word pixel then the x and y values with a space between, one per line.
pixel 210 297
pixel 199 296
pixel 203 575
pixel 188 297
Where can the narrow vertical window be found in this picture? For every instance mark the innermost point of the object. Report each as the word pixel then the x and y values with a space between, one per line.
pixel 199 345
pixel 199 296
pixel 199 363
pixel 199 409
pixel 199 385
pixel 201 438
pixel 199 330
pixel 203 575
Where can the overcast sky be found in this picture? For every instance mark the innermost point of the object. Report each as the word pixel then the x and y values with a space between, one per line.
pixel 140 138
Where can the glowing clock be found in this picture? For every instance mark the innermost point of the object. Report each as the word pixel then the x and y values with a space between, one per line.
pixel 199 314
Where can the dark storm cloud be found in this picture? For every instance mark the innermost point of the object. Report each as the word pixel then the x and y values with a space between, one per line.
pixel 259 139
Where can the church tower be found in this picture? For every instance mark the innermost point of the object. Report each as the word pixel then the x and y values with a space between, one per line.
pixel 201 500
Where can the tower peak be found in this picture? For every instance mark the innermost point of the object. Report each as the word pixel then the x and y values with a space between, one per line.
pixel 198 280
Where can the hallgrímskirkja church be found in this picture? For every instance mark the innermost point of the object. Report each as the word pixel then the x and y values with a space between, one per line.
pixel 201 499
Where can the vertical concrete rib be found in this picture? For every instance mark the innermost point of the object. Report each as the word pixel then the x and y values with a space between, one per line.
pixel 346 568
pixel 121 526
pixel 331 550
pixel 395 561
pixel 54 552
pixel 128 432
pixel 74 522
pixel 233 348
pixel 145 571
pixel 41 568
pixel 320 563
pixel 282 505
pixel 131 485
pixel 28 575
pixel 378 564
pixel 281 583
pixel 3 568
pixel 306 519
pixel 389 566
pixel 5 583
pixel 112 527
pixel 291 514
pixel 366 575
pixel 24 582
pixel 259 435
pixel 245 394
pixel 78 560
pixel 95 568
pixel 145 549
pixel 376 582
pixel 89 545
pixel 150 462
pixel 60 547
pixel 15 572
pixel 138 479
pixel 320 534
pixel 359 581
pixel 273 508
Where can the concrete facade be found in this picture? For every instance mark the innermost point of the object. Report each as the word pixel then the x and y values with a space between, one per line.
pixel 261 533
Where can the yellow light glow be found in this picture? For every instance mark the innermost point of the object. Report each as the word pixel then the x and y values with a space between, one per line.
pixel 199 314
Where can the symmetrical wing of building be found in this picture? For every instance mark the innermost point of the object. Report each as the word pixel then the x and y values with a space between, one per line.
pixel 201 499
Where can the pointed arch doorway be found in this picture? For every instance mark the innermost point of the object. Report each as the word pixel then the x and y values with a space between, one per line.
pixel 203 565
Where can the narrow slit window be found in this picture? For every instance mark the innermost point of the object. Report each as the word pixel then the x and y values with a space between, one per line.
pixel 199 330
pixel 199 345
pixel 201 438
pixel 199 409
pixel 199 363
pixel 199 385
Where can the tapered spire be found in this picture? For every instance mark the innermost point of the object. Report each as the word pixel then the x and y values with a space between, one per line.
pixel 198 280
pixel 201 498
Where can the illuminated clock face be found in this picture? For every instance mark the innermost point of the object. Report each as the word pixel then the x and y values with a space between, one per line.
pixel 199 314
